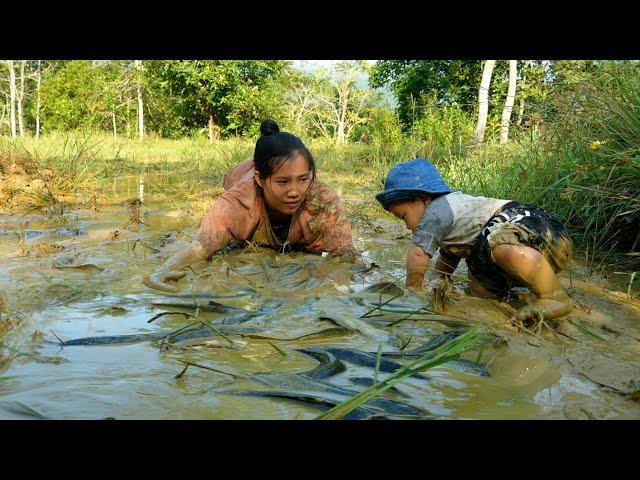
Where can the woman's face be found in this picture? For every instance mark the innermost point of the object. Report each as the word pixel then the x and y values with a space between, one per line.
pixel 286 188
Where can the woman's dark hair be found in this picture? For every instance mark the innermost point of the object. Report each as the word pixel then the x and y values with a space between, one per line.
pixel 274 147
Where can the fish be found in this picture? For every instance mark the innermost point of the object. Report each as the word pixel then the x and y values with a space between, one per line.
pixel 169 337
pixel 65 262
pixel 329 333
pixel 388 288
pixel 460 365
pixel 329 364
pixel 467 366
pixel 323 401
pixel 368 382
pixel 365 359
pixel 362 327
pixel 242 292
pixel 427 347
pixel 210 306
pixel 295 385
pixel 19 408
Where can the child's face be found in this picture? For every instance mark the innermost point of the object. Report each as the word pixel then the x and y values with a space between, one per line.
pixel 411 211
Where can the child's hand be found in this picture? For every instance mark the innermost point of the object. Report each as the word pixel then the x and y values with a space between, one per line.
pixel 435 282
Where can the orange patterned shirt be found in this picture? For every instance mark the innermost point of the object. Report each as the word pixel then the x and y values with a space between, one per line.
pixel 319 225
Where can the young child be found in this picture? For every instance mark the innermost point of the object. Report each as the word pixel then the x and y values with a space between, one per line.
pixel 506 244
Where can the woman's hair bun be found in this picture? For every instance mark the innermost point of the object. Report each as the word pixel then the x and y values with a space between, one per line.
pixel 269 127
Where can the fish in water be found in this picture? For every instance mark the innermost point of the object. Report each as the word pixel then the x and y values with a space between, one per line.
pixel 329 365
pixel 427 347
pixel 321 400
pixel 19 408
pixel 467 366
pixel 239 292
pixel 388 288
pixel 327 334
pixel 210 306
pixel 368 382
pixel 66 262
pixel 297 386
pixel 364 359
pixel 169 337
pixel 461 365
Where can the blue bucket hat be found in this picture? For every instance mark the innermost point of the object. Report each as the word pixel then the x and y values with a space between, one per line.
pixel 407 180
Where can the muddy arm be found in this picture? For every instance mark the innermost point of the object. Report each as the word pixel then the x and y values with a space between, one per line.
pixel 556 305
pixel 172 268
pixel 417 264
pixel 445 265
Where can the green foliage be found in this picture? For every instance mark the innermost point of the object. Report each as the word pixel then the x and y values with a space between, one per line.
pixel 234 94
pixel 79 94
pixel 418 83
pixel 449 127
pixel 383 128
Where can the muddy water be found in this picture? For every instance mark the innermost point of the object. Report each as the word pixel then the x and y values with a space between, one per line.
pixel 574 375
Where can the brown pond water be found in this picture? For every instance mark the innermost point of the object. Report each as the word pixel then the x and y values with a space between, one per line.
pixel 531 378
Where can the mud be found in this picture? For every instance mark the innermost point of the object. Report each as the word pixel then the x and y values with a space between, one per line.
pixel 60 284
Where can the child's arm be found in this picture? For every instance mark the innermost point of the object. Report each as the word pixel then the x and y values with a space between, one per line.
pixel 417 264
pixel 445 265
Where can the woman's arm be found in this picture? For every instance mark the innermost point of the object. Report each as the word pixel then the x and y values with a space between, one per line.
pixel 172 268
pixel 417 264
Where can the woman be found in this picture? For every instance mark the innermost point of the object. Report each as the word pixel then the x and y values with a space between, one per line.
pixel 272 199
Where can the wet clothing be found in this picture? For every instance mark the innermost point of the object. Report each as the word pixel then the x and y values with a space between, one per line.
pixel 518 224
pixel 240 214
pixel 469 227
pixel 453 221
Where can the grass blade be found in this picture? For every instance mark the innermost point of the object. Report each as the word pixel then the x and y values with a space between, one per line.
pixel 586 331
pixel 445 353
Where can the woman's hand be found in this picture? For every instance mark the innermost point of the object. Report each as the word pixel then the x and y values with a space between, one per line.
pixel 173 268
pixel 159 279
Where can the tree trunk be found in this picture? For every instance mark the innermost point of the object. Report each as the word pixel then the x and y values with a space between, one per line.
pixel 344 89
pixel 483 101
pixel 19 98
pixel 520 111
pixel 12 104
pixel 4 111
pixel 522 99
pixel 138 64
pixel 508 104
pixel 113 121
pixel 38 100
pixel 213 131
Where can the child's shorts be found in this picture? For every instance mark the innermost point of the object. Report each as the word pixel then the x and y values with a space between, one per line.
pixel 518 224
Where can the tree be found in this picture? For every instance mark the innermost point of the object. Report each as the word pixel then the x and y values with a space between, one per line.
pixel 12 97
pixel 415 81
pixel 483 101
pixel 20 98
pixel 140 102
pixel 302 90
pixel 38 104
pixel 508 104
pixel 221 96
pixel 338 105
